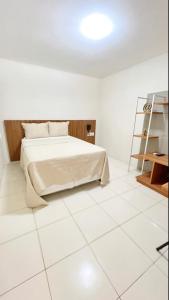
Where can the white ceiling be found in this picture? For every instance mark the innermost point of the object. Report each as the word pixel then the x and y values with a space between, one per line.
pixel 46 32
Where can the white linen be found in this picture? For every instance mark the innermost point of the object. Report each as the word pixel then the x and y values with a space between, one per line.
pixel 36 130
pixel 55 164
pixel 58 128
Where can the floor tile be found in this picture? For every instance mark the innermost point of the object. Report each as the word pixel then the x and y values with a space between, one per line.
pixel 15 224
pixel 119 186
pixel 151 286
pixel 119 209
pixel 131 180
pixel 139 199
pixel 60 240
pixel 9 176
pixel 146 234
pixel 162 263
pixel 114 163
pixel 33 289
pixel 116 173
pixel 159 215
pixel 94 222
pixel 16 178
pixel 82 277
pixel 121 259
pixel 134 173
pixel 12 170
pixel 12 203
pixel 78 200
pixel 19 260
pixel 11 188
pixel 152 193
pixel 165 202
pixel 51 213
pixel 100 194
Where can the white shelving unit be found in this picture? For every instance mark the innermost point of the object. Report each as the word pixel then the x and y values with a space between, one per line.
pixel 159 101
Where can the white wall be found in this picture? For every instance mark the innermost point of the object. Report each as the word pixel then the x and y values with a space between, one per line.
pixel 118 102
pixel 34 92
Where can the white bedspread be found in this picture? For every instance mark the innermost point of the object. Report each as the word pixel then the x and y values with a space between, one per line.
pixel 55 164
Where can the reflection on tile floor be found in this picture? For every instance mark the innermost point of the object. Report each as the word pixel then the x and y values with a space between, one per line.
pixel 89 243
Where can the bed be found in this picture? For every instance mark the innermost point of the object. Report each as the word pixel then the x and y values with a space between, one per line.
pixel 54 164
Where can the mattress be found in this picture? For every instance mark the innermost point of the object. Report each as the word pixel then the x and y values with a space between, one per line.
pixel 58 163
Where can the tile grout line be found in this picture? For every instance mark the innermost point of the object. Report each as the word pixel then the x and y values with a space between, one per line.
pixel 121 196
pixel 139 211
pixel 150 266
pixel 137 279
pixel 142 210
pixel 56 221
pixel 125 222
pixel 120 226
pixel 38 236
pixel 82 210
pixel 97 204
pixel 87 244
pixel 42 271
pixel 146 271
pixel 85 209
pixel 116 195
pixel 17 237
pixel 43 226
pixel 67 256
pixel 20 284
pixel 131 239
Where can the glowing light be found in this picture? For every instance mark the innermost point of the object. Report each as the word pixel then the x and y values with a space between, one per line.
pixel 96 26
pixel 87 275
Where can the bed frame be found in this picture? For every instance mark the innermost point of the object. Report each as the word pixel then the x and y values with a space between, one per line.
pixel 15 133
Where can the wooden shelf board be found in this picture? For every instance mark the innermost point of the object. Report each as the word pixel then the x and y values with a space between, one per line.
pixel 138 156
pixel 161 103
pixel 144 137
pixel 145 180
pixel 163 160
pixel 148 113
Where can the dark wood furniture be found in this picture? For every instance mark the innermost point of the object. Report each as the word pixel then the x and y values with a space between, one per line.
pixel 158 178
pixel 15 133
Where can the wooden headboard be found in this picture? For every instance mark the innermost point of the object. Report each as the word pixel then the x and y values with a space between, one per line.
pixel 15 133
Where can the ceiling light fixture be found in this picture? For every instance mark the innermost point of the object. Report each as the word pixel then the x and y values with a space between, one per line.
pixel 96 26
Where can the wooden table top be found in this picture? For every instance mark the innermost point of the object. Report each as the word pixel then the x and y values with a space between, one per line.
pixel 162 160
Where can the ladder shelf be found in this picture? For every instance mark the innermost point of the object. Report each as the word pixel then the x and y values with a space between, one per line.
pixel 148 136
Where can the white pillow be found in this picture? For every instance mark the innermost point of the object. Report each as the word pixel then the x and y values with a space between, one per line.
pixel 36 130
pixel 58 128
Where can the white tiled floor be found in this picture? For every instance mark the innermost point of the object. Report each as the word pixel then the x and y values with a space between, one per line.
pixel 146 234
pixel 33 289
pixel 119 209
pixel 162 263
pixel 60 240
pixel 98 222
pixel 152 285
pixel 80 277
pixel 90 243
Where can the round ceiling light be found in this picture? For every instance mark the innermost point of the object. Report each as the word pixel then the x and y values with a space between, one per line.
pixel 96 26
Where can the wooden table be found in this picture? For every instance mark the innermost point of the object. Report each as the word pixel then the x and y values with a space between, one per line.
pixel 158 178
